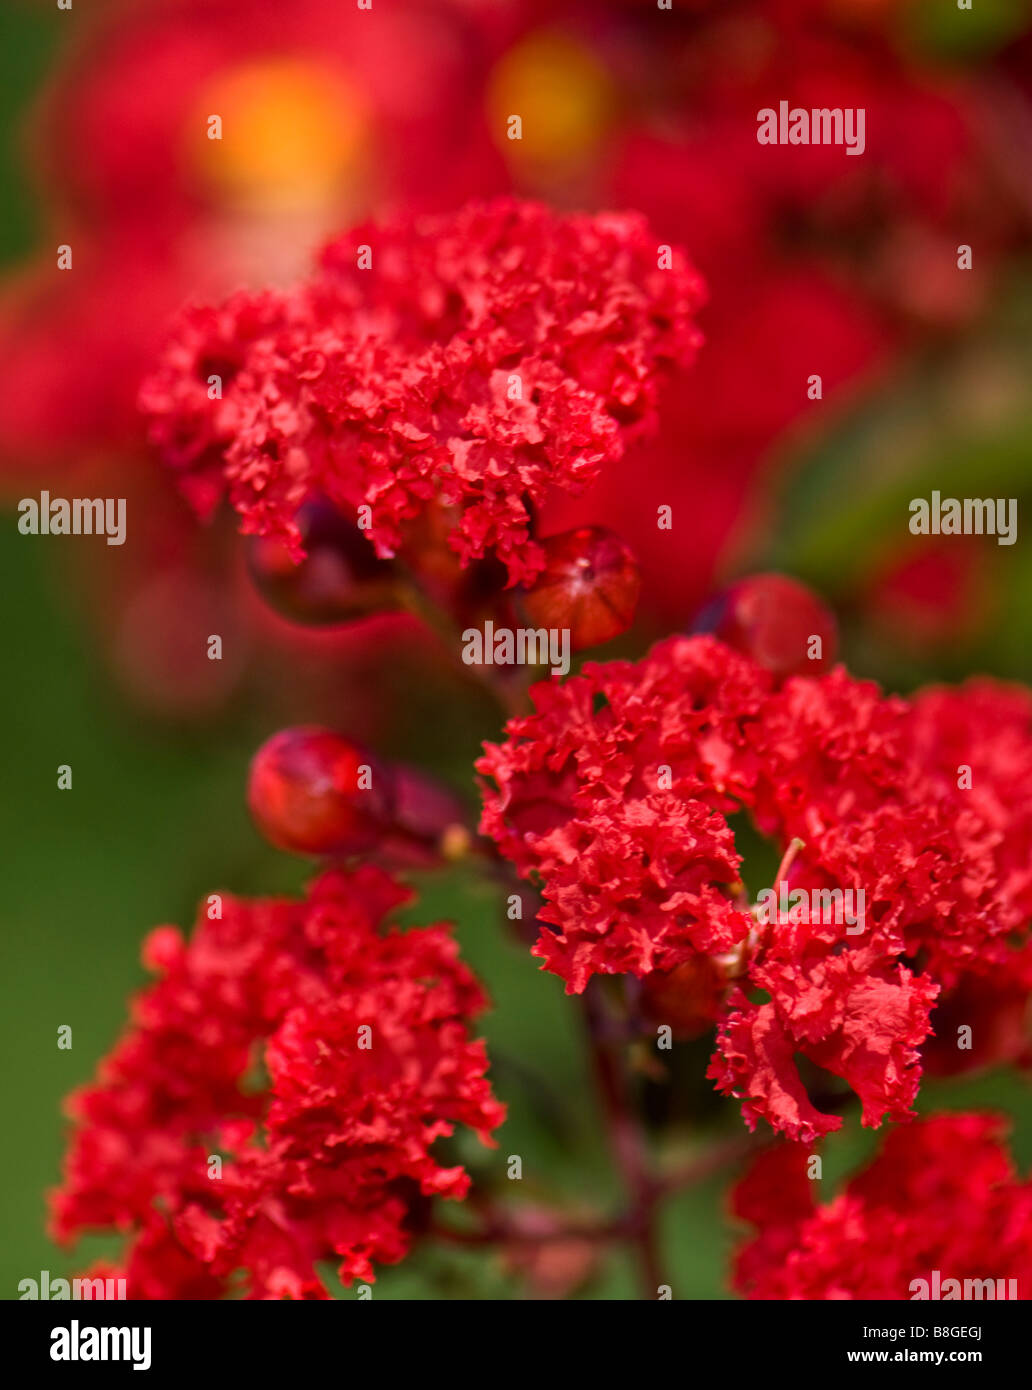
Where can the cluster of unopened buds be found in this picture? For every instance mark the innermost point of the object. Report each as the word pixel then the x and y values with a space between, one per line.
pixel 287 1091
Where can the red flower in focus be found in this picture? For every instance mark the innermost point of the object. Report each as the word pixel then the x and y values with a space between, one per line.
pixel 319 1057
pixel 941 1198
pixel 476 361
pixel 616 795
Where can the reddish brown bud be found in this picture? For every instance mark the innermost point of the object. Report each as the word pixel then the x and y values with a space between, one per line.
pixel 340 579
pixel 688 998
pixel 312 792
pixel 590 584
pixel 423 808
pixel 775 620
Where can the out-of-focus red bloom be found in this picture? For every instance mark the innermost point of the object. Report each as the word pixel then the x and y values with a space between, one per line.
pixel 842 262
pixel 937 592
pixel 319 1057
pixel 719 422
pixel 73 364
pixel 160 641
pixel 616 795
pixel 319 103
pixel 327 114
pixel 473 362
pixel 940 1202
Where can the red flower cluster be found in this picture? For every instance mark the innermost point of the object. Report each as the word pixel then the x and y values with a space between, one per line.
pixel 616 795
pixel 319 1057
pixel 940 1202
pixel 478 361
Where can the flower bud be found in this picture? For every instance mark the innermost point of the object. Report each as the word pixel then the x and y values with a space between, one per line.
pixel 777 621
pixel 340 579
pixel 590 584
pixel 423 807
pixel 311 791
pixel 688 998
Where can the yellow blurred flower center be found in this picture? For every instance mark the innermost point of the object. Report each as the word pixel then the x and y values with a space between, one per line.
pixel 562 94
pixel 292 133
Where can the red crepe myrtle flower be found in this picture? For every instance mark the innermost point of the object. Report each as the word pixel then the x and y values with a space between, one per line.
pixel 475 362
pixel 940 1202
pixel 616 795
pixel 319 1057
pixel 636 872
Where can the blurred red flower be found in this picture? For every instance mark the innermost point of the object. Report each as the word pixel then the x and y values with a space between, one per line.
pixel 326 112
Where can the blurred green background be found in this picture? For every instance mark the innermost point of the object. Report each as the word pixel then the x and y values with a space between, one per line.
pixel 156 819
